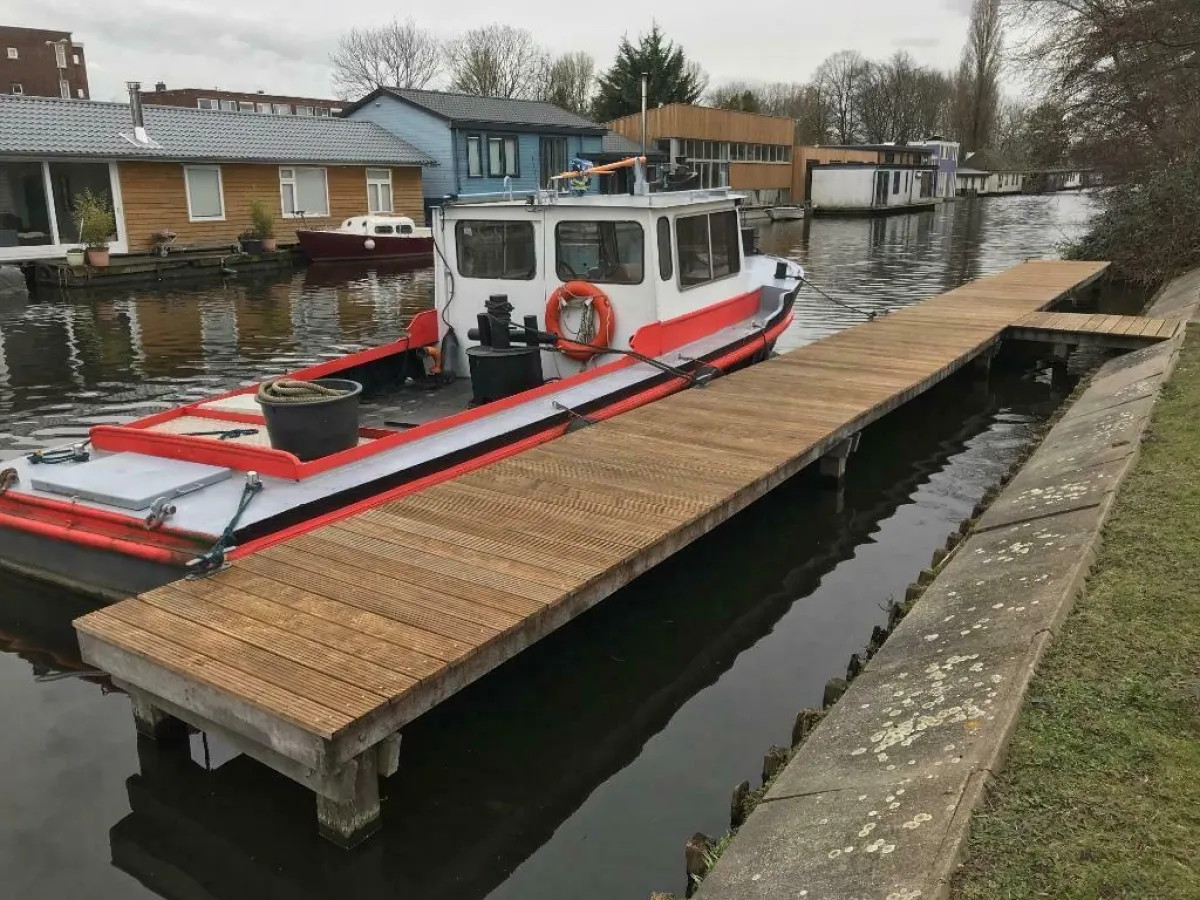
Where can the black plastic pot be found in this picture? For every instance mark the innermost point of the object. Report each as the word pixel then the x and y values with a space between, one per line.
pixel 251 245
pixel 315 428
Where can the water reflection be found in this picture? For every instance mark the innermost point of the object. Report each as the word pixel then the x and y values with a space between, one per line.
pixel 579 768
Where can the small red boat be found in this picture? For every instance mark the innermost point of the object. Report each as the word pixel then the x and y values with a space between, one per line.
pixel 368 237
pixel 551 312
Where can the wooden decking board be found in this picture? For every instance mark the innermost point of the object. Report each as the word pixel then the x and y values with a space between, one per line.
pixel 424 631
pixel 391 639
pixel 1095 325
pixel 328 630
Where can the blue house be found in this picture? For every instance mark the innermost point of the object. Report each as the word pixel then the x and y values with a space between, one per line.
pixel 479 141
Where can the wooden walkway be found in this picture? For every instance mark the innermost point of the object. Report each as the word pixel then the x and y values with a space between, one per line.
pixel 1118 332
pixel 311 655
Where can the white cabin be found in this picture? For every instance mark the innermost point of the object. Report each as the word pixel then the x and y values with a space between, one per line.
pixel 383 225
pixel 656 257
pixel 871 188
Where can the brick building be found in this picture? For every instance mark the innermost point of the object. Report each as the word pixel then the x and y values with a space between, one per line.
pixel 242 101
pixel 42 63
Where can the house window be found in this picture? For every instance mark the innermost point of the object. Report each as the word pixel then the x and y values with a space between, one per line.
pixel 246 105
pixel 263 108
pixel 495 249
pixel 553 153
pixel 664 248
pixel 75 58
pixel 496 157
pixel 895 182
pixel 281 109
pixel 13 54
pixel 322 112
pixel 709 247
pixel 474 156
pixel 18 89
pixel 603 252
pixel 64 89
pixel 206 103
pixel 303 191
pixel 304 110
pixel 79 93
pixel 511 157
pixel 60 55
pixel 379 190
pixel 229 105
pixel 205 196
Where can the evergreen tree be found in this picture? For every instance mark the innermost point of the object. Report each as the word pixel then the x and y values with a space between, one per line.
pixel 673 79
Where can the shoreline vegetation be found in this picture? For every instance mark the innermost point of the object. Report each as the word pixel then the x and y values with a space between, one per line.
pixel 1100 793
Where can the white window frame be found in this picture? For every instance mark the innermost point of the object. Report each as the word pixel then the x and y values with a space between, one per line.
pixel 75 59
pixel 293 182
pixel 64 89
pixel 79 93
pixel 477 139
pixel 246 106
pixel 14 53
pixel 304 110
pixel 60 55
pixel 380 183
pixel 187 189
pixel 281 109
pixel 17 89
pixel 228 105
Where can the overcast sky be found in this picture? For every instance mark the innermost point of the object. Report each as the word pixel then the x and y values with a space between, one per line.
pixel 282 46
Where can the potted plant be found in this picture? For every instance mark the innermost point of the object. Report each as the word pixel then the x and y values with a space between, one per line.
pixel 250 242
pixel 76 256
pixel 97 224
pixel 263 225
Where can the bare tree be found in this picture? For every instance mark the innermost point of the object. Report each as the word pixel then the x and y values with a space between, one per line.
pixel 737 95
pixel 497 61
pixel 839 79
pixel 393 55
pixel 977 87
pixel 570 82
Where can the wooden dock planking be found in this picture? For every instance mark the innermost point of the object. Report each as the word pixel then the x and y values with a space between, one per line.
pixel 348 632
pixel 1119 332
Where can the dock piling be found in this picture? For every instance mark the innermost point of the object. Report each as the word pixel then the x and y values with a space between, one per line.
pixel 833 463
pixel 348 823
pixel 152 722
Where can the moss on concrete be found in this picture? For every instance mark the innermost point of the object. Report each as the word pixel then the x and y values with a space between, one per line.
pixel 1100 795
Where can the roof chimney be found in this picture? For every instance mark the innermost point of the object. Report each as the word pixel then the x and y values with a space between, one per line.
pixel 160 86
pixel 135 109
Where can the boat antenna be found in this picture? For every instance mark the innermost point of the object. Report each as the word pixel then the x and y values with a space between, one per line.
pixel 645 96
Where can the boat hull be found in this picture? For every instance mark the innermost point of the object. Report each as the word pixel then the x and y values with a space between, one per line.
pixel 786 213
pixel 340 245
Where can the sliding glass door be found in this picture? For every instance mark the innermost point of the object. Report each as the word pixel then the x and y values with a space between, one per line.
pixel 37 200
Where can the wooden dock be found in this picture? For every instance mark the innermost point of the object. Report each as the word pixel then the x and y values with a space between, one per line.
pixel 311 655
pixel 1117 332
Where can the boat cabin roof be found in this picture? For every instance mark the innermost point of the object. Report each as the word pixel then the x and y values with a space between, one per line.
pixel 544 202
pixel 367 223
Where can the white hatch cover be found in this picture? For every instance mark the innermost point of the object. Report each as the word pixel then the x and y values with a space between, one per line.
pixel 127 480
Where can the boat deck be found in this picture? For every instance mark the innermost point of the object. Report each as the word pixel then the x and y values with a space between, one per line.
pixel 311 654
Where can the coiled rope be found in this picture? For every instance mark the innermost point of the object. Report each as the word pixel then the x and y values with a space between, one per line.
pixel 289 390
pixel 8 479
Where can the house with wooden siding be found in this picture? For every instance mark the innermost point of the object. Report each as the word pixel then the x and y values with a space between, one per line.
pixel 724 148
pixel 482 144
pixel 189 171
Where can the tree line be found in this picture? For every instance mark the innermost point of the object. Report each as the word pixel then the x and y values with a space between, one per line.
pixel 849 99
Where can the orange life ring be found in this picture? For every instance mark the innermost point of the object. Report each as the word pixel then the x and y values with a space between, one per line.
pixel 604 323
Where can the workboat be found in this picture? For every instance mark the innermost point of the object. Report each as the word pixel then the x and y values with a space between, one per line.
pixel 552 311
pixel 368 237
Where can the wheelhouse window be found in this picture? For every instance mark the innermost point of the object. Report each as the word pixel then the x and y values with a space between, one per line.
pixel 602 252
pixel 303 191
pixel 384 229
pixel 664 248
pixel 495 249
pixel 474 156
pixel 379 190
pixel 205 197
pixel 708 247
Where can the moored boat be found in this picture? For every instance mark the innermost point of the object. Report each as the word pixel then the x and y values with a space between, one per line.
pixel 788 213
pixel 551 311
pixel 368 237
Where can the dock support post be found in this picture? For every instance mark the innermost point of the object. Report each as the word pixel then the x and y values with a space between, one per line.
pixel 152 722
pixel 833 463
pixel 981 366
pixel 350 822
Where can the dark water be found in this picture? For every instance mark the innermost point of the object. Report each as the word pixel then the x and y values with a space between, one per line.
pixel 578 769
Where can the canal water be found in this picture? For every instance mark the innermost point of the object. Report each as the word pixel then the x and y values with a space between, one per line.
pixel 578 769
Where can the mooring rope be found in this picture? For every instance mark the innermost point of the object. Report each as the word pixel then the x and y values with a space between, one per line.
pixel 214 560
pixel 74 453
pixel 8 479
pixel 289 390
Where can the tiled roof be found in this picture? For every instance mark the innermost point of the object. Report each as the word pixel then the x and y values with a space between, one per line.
pixel 48 126
pixel 614 142
pixel 469 109
pixel 990 161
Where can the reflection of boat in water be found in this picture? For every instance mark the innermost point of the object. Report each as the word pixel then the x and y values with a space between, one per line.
pixel 35 624
pixel 785 213
pixel 549 309
pixel 368 237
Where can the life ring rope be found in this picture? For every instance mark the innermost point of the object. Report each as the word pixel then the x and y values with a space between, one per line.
pixel 597 325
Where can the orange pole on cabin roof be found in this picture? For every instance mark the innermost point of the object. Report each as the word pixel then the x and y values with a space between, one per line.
pixel 606 169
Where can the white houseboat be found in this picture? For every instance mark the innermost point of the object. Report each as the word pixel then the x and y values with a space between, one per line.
pixel 852 188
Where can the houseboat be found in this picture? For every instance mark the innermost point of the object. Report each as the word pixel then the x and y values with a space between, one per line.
pixel 853 188
pixel 368 238
pixel 552 311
